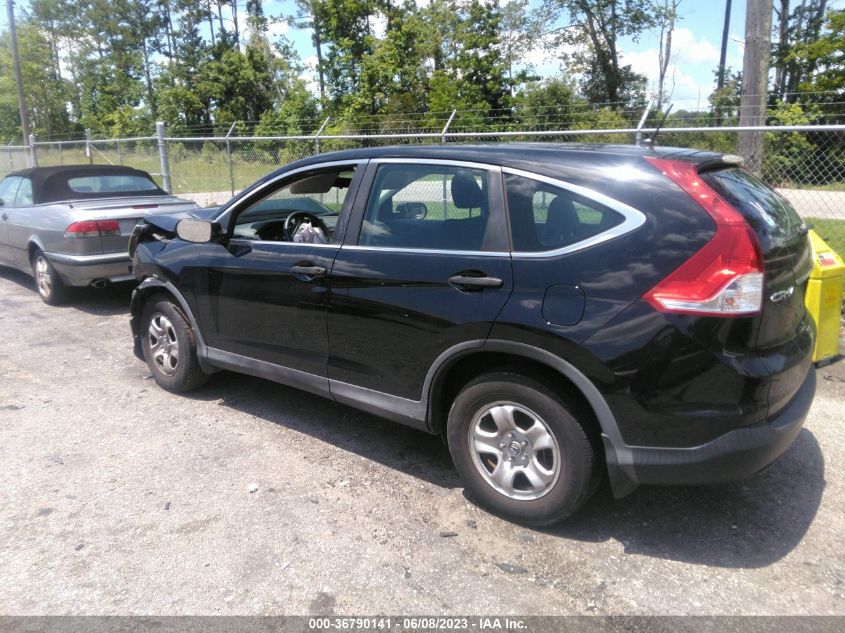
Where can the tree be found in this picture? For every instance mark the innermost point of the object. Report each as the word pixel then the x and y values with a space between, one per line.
pixel 667 15
pixel 46 92
pixel 827 55
pixel 794 30
pixel 594 29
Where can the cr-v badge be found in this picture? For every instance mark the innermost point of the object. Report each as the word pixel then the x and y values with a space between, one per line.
pixel 780 295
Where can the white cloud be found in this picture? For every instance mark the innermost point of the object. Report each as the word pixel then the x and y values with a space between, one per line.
pixel 691 50
pixel 378 25
pixel 277 28
pixel 309 75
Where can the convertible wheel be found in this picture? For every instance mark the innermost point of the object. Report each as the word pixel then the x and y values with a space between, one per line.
pixel 170 347
pixel 520 449
pixel 51 289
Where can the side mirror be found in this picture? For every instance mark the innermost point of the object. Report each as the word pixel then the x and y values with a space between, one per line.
pixel 199 231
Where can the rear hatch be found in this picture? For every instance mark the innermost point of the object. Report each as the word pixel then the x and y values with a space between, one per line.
pixel 784 331
pixel 118 217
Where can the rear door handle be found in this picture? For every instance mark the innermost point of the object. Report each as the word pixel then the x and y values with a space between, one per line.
pixel 309 271
pixel 468 281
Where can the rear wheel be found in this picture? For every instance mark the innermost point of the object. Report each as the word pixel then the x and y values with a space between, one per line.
pixel 521 449
pixel 170 347
pixel 51 288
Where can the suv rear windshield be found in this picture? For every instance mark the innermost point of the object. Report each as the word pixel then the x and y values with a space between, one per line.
pixel 768 212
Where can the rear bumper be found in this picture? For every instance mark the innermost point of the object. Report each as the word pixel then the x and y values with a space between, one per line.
pixel 735 455
pixel 81 270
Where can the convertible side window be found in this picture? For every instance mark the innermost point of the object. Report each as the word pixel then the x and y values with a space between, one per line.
pixel 428 206
pixel 24 195
pixel 303 209
pixel 8 190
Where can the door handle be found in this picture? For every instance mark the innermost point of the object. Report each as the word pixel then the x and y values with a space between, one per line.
pixel 468 281
pixel 309 271
pixel 5 217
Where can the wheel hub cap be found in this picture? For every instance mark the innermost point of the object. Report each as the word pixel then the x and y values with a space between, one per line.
pixel 42 276
pixel 164 346
pixel 514 450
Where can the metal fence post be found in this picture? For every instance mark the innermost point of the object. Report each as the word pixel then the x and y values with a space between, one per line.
pixel 88 153
pixel 317 135
pixel 119 153
pixel 229 158
pixel 446 127
pixel 33 158
pixel 443 141
pixel 163 158
pixel 639 135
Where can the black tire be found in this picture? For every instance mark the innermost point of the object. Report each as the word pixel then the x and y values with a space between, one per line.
pixel 50 286
pixel 571 455
pixel 169 346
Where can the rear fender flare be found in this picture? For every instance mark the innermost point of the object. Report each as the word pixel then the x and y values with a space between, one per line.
pixel 617 453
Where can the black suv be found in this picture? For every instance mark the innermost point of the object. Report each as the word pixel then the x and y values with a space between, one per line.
pixel 555 311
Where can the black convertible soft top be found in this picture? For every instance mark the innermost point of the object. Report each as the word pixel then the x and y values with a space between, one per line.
pixel 50 184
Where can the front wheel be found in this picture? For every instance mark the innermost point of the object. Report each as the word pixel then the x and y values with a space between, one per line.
pixel 521 449
pixel 170 347
pixel 51 288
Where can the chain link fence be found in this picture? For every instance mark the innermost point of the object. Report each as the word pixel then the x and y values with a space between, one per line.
pixel 804 163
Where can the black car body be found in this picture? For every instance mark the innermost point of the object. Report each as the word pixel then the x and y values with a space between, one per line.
pixel 629 310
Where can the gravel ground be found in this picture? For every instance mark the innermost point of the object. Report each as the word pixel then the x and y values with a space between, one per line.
pixel 119 498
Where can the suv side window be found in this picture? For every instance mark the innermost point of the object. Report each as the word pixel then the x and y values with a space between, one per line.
pixel 544 217
pixel 428 206
pixel 8 189
pixel 321 193
pixel 24 196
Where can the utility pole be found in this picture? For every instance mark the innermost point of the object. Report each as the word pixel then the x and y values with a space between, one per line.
pixel 720 82
pixel 755 80
pixel 13 36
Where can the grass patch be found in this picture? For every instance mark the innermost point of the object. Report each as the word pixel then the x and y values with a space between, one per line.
pixel 831 186
pixel 831 231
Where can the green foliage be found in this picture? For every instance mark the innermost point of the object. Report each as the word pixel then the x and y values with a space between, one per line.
pixel 602 119
pixel 593 37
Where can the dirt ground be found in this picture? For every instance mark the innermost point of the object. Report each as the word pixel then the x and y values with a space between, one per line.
pixel 119 498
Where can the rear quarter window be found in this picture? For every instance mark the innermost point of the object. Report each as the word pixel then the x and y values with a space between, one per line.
pixel 544 217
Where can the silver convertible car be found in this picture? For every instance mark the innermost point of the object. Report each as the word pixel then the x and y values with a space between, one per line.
pixel 70 225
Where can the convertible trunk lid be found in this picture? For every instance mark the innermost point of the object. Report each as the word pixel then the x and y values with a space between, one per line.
pixel 127 212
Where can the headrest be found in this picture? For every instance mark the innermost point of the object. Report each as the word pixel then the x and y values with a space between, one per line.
pixel 466 193
pixel 562 218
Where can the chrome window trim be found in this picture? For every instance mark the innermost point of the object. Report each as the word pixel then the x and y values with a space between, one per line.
pixel 634 218
pixel 410 161
pixel 424 251
pixel 358 163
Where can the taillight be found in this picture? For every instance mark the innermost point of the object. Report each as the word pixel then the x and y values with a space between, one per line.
pixel 725 277
pixel 93 228
pixel 109 227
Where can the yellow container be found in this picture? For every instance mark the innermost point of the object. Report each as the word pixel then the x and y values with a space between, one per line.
pixel 824 297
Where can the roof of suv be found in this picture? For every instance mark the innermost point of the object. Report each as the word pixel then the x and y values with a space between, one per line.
pixel 515 153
